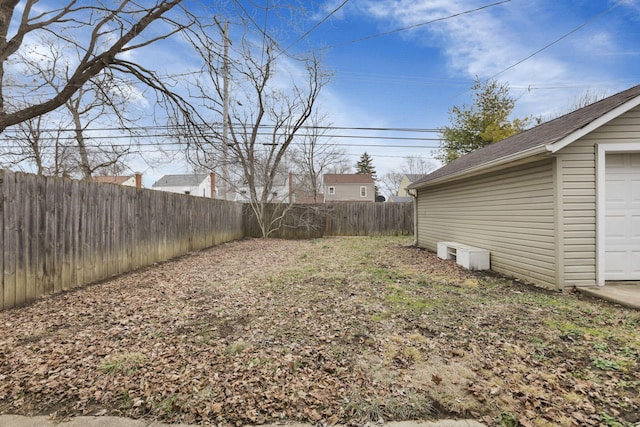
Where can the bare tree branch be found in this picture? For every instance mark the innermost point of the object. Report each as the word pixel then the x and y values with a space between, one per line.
pixel 269 106
pixel 96 56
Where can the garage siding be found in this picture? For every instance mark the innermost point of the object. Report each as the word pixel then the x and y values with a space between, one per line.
pixel 577 216
pixel 510 212
pixel 577 187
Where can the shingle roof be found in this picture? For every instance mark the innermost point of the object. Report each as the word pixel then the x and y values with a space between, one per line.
pixel 180 180
pixel 348 178
pixel 539 136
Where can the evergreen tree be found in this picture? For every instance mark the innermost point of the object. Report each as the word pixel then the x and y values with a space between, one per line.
pixel 365 165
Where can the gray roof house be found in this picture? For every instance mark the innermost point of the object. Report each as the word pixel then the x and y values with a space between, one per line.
pixel 403 196
pixel 203 185
pixel 557 205
pixel 348 187
pixel 408 179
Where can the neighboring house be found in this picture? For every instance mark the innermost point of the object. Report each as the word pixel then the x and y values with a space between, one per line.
pixel 557 205
pixel 349 188
pixel 281 190
pixel 303 197
pixel 129 181
pixel 406 181
pixel 203 185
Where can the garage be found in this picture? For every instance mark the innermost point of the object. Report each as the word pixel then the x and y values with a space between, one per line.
pixel 622 223
pixel 557 205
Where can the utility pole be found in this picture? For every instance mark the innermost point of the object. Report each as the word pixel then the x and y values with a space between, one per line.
pixel 225 107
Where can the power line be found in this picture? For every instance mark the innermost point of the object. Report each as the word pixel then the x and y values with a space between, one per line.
pixel 182 151
pixel 239 128
pixel 255 24
pixel 111 137
pixel 169 143
pixel 322 21
pixel 410 27
pixel 559 39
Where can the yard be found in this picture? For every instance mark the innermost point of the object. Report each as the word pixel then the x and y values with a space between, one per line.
pixel 334 330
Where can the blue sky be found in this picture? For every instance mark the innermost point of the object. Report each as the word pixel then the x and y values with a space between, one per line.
pixel 405 63
pixel 410 78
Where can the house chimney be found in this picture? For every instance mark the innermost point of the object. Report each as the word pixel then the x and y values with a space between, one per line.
pixel 213 185
pixel 138 180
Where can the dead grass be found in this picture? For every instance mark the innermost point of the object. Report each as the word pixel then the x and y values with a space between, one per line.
pixel 329 330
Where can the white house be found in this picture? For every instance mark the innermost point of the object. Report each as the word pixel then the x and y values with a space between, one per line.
pixel 202 185
pixel 281 190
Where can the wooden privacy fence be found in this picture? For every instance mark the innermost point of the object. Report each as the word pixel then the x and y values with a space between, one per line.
pixel 369 219
pixel 56 234
pixel 306 221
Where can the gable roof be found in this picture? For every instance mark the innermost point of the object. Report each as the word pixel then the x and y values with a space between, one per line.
pixel 191 180
pixel 348 178
pixel 112 179
pixel 546 138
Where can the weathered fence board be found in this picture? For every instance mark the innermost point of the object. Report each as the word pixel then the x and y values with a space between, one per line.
pixel 9 242
pixel 57 234
pixel 369 219
pixel 305 221
pixel 2 278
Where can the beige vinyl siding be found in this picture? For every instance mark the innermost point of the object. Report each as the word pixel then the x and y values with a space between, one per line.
pixel 349 192
pixel 509 212
pixel 576 180
pixel 577 188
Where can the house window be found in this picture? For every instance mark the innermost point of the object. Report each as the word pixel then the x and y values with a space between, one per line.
pixel 332 191
pixel 363 191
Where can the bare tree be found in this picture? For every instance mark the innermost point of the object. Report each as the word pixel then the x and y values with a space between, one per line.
pixel 417 165
pixel 107 33
pixel 38 145
pixel 585 99
pixel 104 100
pixel 412 165
pixel 269 100
pixel 315 155
pixel 26 145
pixel 390 182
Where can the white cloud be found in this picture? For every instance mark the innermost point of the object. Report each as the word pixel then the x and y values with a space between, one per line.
pixel 490 42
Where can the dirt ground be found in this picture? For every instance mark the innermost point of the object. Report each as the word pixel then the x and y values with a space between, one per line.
pixel 326 331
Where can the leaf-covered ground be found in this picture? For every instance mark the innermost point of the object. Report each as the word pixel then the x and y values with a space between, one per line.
pixel 336 330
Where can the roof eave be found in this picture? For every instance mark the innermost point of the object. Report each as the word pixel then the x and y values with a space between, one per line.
pixel 484 167
pixel 600 121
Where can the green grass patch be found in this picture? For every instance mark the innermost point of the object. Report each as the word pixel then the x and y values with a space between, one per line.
pixel 401 299
pixel 126 362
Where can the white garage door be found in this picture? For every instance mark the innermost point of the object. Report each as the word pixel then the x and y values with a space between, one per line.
pixel 622 225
